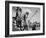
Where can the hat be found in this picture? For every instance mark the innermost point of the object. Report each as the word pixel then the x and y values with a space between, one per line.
pixel 18 9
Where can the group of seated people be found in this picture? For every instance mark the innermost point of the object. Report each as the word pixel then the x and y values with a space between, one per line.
pixel 35 25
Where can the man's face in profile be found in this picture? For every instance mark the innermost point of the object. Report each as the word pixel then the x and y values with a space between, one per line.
pixel 19 13
pixel 27 13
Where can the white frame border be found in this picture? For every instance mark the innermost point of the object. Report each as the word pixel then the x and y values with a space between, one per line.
pixel 25 32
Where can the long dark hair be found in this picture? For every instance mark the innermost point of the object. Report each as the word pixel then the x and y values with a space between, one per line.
pixel 18 9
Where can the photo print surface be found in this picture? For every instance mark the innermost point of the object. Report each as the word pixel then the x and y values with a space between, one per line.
pixel 25 18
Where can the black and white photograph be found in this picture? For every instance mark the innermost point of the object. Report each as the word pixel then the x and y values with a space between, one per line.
pixel 25 18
